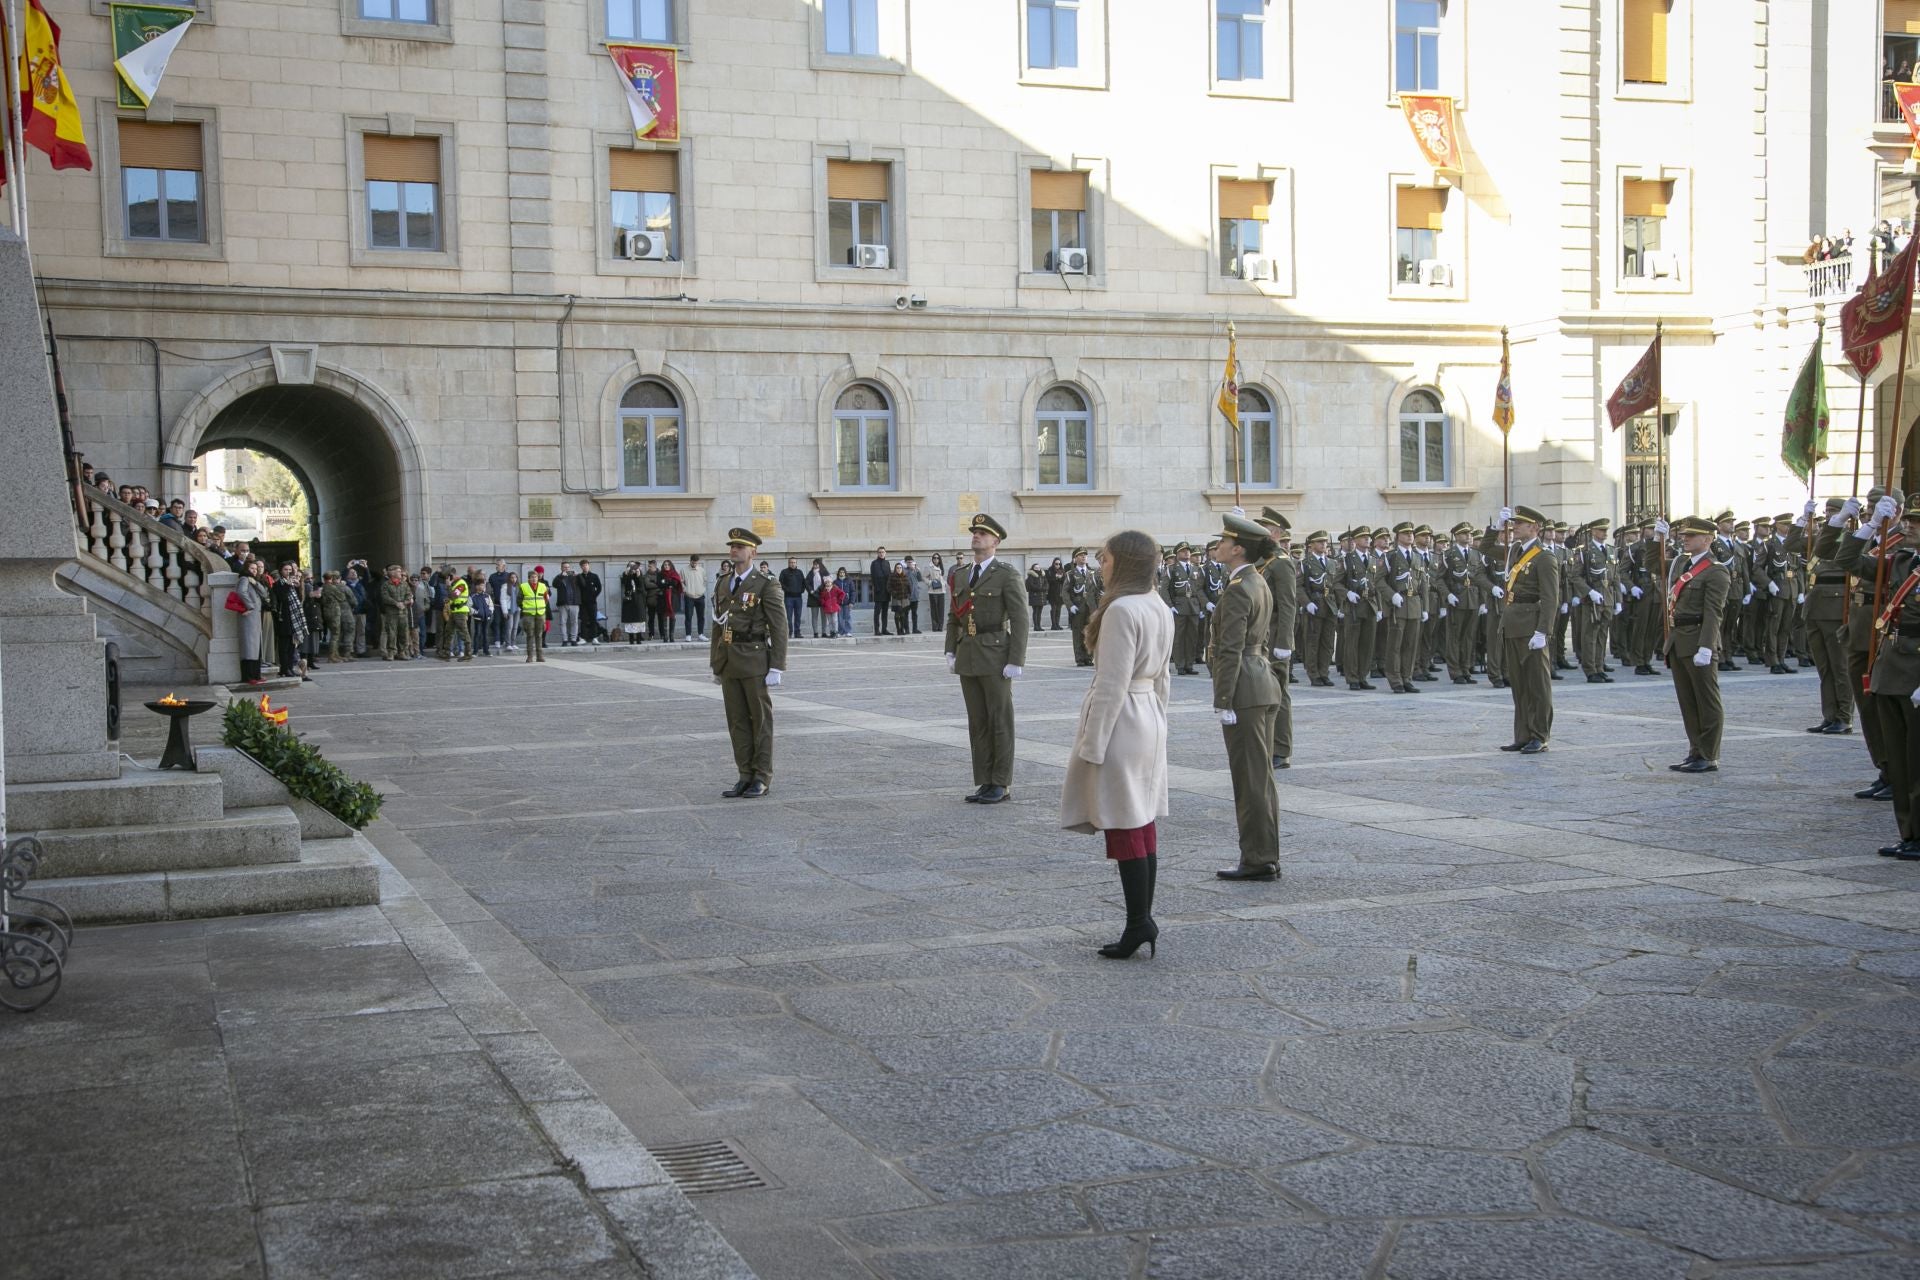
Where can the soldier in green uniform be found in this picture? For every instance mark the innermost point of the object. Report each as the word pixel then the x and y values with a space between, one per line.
pixel 1493 600
pixel 1460 598
pixel 1317 573
pixel 1402 628
pixel 1696 598
pixel 1591 564
pixel 1186 594
pixel 987 648
pixel 1532 577
pixel 1731 552
pixel 1358 619
pixel 1083 597
pixel 1857 634
pixel 336 610
pixel 748 657
pixel 1433 626
pixel 1280 574
pixel 1246 696
pixel 396 601
pixel 1894 683
pixel 1826 612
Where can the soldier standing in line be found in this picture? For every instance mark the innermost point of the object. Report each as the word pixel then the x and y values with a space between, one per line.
pixel 748 657
pixel 1777 626
pixel 1493 600
pixel 1532 593
pixel 1555 538
pixel 1402 623
pixel 1826 612
pixel 1317 590
pixel 1859 632
pixel 987 648
pixel 1592 565
pixel 1083 597
pixel 1247 698
pixel 1732 555
pixel 1457 573
pixel 1433 610
pixel 396 600
pixel 1894 684
pixel 1360 616
pixel 1696 596
pixel 1643 600
pixel 1185 593
pixel 1278 572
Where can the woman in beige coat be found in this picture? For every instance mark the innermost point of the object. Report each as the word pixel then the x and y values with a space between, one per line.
pixel 1117 778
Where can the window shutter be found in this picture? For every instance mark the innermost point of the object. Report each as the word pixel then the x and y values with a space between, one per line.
pixel 1644 41
pixel 643 170
pixel 1903 17
pixel 159 146
pixel 1420 208
pixel 392 159
pixel 1245 199
pixel 1645 199
pixel 1066 191
pixel 857 180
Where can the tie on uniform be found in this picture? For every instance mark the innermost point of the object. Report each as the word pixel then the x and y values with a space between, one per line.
pixel 975 579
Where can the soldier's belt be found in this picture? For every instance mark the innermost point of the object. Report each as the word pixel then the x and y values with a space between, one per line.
pixel 1688 619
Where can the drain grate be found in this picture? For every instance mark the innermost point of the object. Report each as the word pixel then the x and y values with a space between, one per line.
pixel 703 1168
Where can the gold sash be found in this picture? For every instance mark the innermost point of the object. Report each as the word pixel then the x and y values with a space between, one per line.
pixel 1525 560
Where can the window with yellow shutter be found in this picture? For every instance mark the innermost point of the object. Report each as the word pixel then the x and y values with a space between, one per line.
pixel 1244 208
pixel 403 192
pixel 859 231
pixel 644 194
pixel 1643 214
pixel 162 185
pixel 1419 218
pixel 1643 41
pixel 1059 231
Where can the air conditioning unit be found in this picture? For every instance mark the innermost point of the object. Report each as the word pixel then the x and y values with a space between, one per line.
pixel 646 246
pixel 1068 262
pixel 1256 266
pixel 1435 272
pixel 873 257
pixel 1662 264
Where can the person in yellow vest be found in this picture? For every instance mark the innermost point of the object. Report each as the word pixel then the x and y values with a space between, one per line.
pixel 533 614
pixel 459 620
pixel 748 657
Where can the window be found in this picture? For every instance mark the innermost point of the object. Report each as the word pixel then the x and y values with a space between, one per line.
pixel 1644 478
pixel 650 427
pixel 853 27
pixel 1423 440
pixel 1643 211
pixel 403 192
pixel 1059 221
pixel 1419 213
pixel 1244 207
pixel 644 187
pixel 162 190
pixel 863 438
pixel 1064 439
pixel 1416 45
pixel 857 212
pixel 1239 35
pixel 1256 451
pixel 649 20
pixel 397 10
pixel 1643 41
pixel 1053 33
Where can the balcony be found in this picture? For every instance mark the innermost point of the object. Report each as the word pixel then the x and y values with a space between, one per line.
pixel 1833 277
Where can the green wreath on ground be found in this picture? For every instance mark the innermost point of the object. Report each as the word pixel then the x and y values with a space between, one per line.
pixel 299 765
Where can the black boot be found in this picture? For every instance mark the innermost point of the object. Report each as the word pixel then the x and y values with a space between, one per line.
pixel 1136 883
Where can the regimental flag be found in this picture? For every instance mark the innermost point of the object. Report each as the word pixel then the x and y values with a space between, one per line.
pixel 1880 309
pixel 650 78
pixel 1435 128
pixel 1639 391
pixel 49 116
pixel 142 70
pixel 1503 393
pixel 1804 440
pixel 1908 96
pixel 1864 360
pixel 135 26
pixel 1229 400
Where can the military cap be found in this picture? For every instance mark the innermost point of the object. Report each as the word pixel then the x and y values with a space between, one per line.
pixel 1319 535
pixel 1760 520
pixel 1736 528
pixel 1422 528
pixel 1274 520
pixel 1250 535
pixel 1788 518
pixel 1382 532
pixel 1913 508
pixel 1405 526
pixel 1692 524
pixel 742 538
pixel 984 523
pixel 1465 526
pixel 1077 553
pixel 1530 516
pixel 1560 526
pixel 1834 504
pixel 1603 522
pixel 1178 547
pixel 1723 517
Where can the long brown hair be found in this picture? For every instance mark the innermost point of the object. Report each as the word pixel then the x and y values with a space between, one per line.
pixel 1134 557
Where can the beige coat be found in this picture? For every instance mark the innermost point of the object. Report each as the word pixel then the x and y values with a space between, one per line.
pixel 1117 778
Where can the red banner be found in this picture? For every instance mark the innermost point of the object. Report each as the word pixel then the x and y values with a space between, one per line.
pixel 1880 309
pixel 1639 391
pixel 650 76
pixel 1908 96
pixel 1864 360
pixel 1435 128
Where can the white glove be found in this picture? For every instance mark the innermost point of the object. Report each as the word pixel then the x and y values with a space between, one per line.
pixel 1806 512
pixel 1227 717
pixel 1499 593
pixel 1563 606
pixel 1538 640
pixel 1423 614
pixel 1848 509
pixel 1618 609
pixel 1312 608
pixel 1885 510
pixel 1506 514
pixel 773 678
pixel 1452 598
pixel 1209 606
pixel 950 658
pixel 1660 529
pixel 1747 598
pixel 1703 656
pixel 1352 598
pixel 1801 598
pixel 1914 697
pixel 1483 611
pixel 1637 592
pixel 1773 588
pixel 1595 597
pixel 1072 610
pixel 1010 671
pixel 1281 655
pixel 1398 599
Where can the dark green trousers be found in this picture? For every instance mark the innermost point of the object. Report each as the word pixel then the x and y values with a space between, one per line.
pixel 1256 797
pixel 749 706
pixel 1698 689
pixel 989 702
pixel 1530 675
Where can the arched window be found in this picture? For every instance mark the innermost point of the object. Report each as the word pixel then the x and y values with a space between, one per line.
pixel 863 430
pixel 650 426
pixel 1064 439
pixel 1260 449
pixel 1423 440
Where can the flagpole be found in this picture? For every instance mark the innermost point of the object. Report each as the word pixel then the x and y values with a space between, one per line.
pixel 1506 432
pixel 1860 415
pixel 16 149
pixel 1893 457
pixel 1660 472
pixel 1233 427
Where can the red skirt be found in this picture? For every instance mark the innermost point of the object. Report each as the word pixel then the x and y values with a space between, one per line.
pixel 1132 842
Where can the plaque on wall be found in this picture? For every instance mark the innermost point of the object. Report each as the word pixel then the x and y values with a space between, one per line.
pixel 540 531
pixel 763 504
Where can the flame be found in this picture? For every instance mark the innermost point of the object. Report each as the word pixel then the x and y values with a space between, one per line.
pixel 273 716
pixel 171 701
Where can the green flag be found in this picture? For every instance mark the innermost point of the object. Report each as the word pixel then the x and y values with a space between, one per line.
pixel 1804 441
pixel 133 26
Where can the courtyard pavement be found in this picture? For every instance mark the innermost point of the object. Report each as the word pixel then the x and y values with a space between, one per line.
pixel 1562 1016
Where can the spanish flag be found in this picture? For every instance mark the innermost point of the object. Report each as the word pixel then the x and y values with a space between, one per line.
pixel 50 116
pixel 1229 401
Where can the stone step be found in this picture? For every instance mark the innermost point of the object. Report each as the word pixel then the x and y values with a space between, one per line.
pixel 138 797
pixel 244 837
pixel 328 873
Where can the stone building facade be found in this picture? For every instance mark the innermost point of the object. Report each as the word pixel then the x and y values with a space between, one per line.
pixel 419 255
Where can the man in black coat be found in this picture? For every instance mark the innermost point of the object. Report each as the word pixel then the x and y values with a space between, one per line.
pixel 587 582
pixel 793 586
pixel 878 573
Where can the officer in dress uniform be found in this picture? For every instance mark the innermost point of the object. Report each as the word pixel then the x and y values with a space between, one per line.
pixel 1213 580
pixel 1317 587
pixel 1277 570
pixel 1894 683
pixel 1493 600
pixel 987 648
pixel 1083 597
pixel 1186 594
pixel 1591 563
pixel 1247 697
pixel 1731 552
pixel 748 657
pixel 1532 577
pixel 1402 622
pixel 1696 598
pixel 1458 569
pixel 1826 612
pixel 1360 616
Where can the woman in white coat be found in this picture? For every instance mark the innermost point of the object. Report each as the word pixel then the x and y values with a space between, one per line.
pixel 1117 778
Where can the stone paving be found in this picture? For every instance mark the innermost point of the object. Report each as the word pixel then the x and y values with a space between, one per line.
pixel 1568 1016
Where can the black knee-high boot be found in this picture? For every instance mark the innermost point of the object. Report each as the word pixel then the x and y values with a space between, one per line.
pixel 1136 884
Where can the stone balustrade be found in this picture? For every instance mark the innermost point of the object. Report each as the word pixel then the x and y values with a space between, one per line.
pixel 154 554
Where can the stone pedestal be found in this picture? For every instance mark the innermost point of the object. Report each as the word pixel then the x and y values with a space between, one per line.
pixel 54 671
